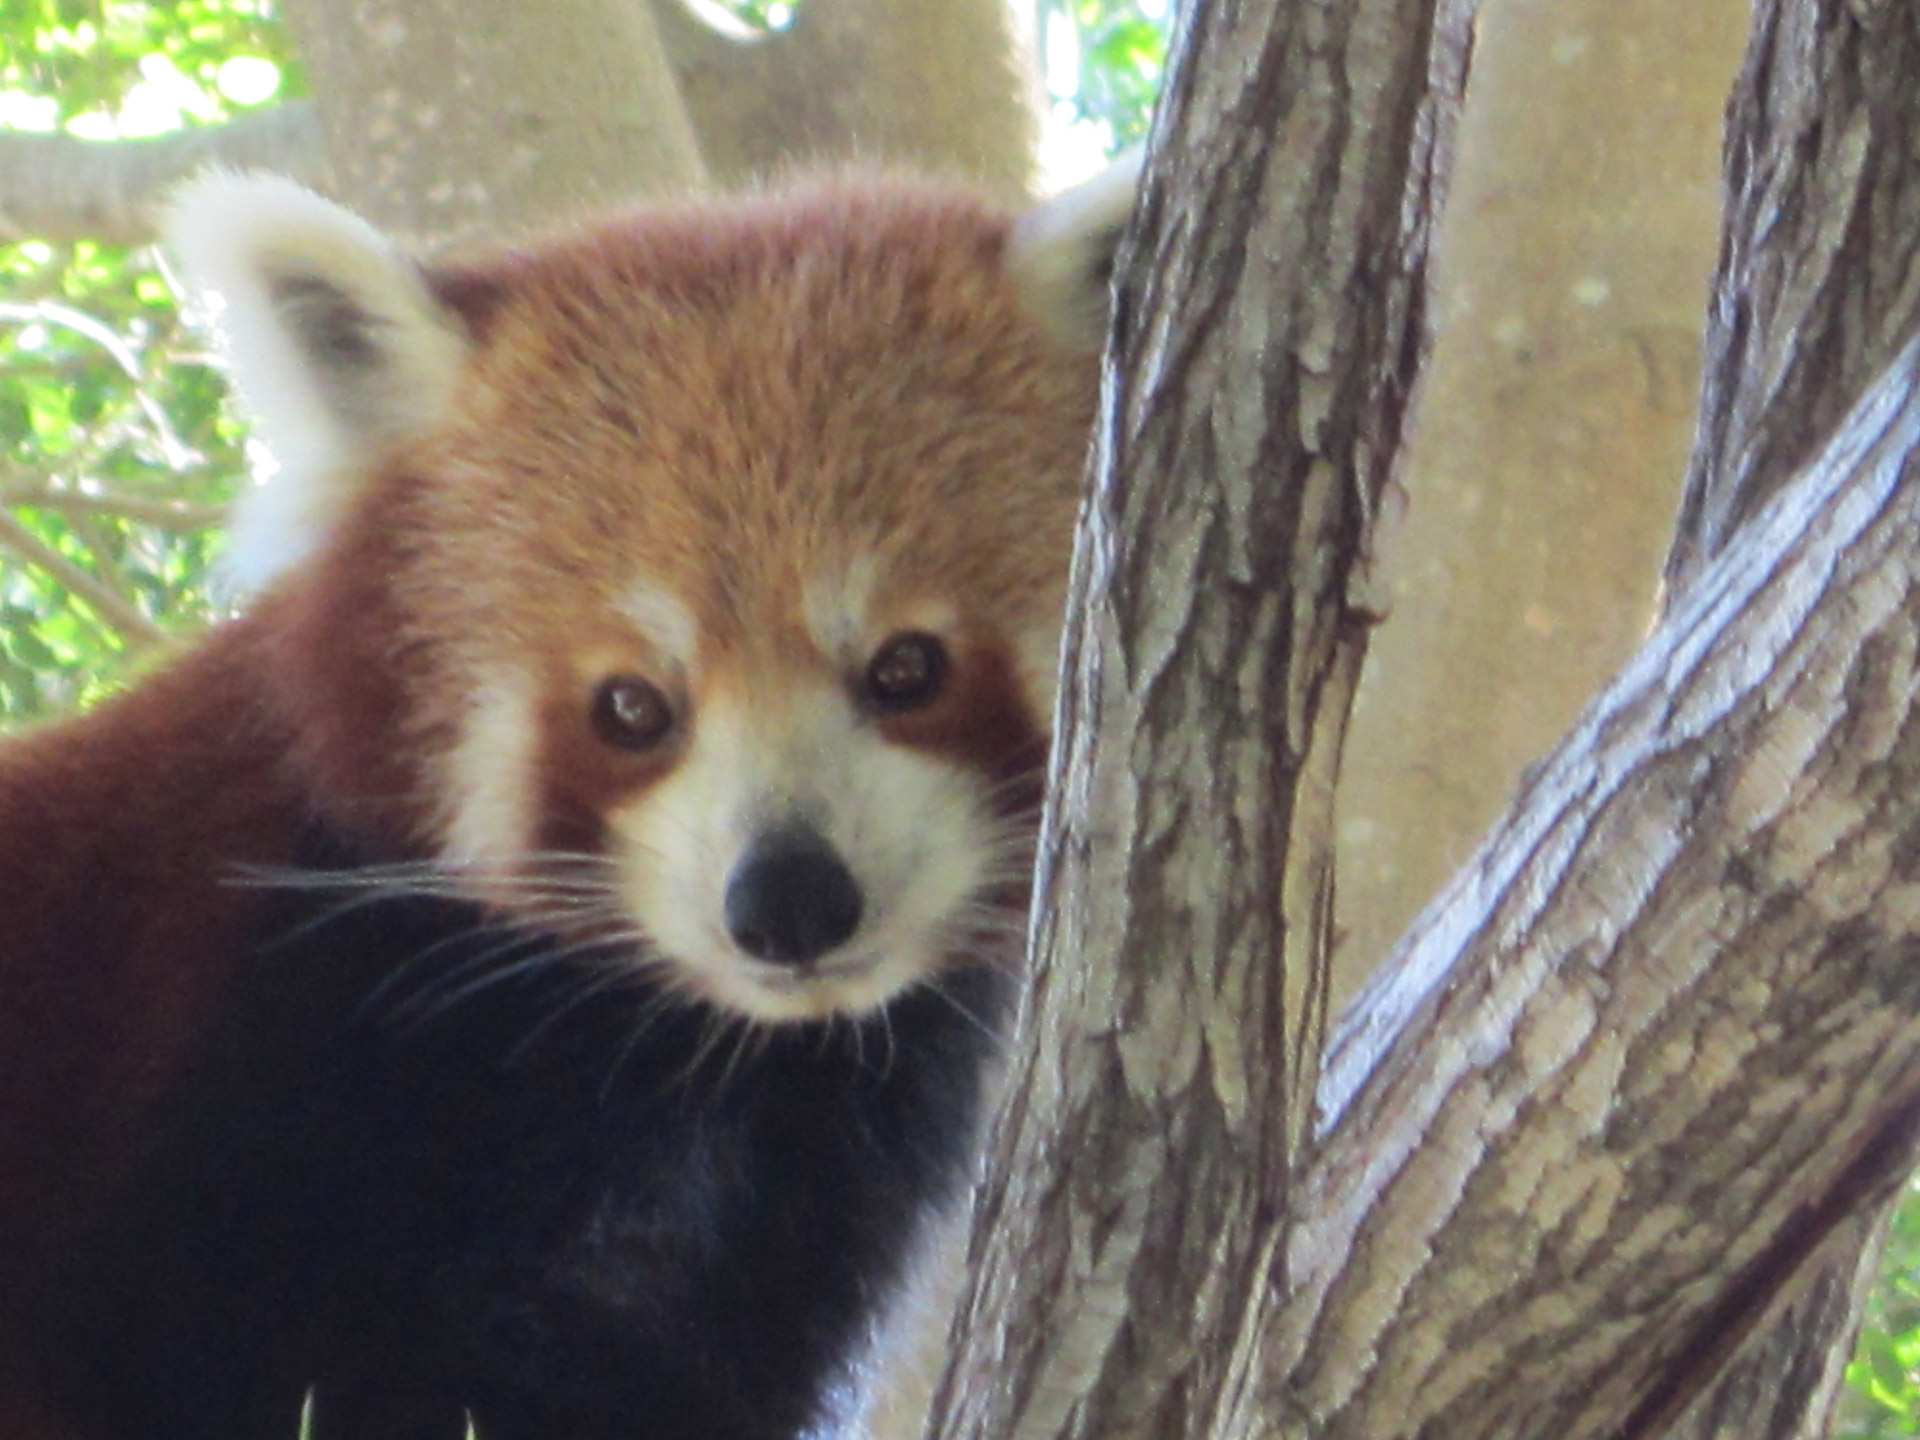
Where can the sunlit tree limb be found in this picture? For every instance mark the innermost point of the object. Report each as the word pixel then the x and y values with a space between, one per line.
pixel 61 188
pixel 163 513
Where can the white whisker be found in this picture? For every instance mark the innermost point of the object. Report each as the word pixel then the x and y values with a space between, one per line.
pixel 991 1032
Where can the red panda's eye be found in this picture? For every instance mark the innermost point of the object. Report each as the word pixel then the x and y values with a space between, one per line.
pixel 907 671
pixel 631 713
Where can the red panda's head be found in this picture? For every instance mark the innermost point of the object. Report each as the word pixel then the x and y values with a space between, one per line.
pixel 695 576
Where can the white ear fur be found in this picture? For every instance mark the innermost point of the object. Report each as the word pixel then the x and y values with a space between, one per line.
pixel 335 342
pixel 1062 250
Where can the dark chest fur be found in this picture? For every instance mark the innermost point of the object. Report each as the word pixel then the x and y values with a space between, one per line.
pixel 430 1168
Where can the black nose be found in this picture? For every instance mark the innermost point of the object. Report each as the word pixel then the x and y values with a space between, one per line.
pixel 791 899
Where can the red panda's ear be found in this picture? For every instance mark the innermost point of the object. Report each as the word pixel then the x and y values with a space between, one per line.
pixel 1062 251
pixel 335 340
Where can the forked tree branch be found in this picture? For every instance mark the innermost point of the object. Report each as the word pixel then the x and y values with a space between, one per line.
pixel 1662 1038
pixel 1651 1051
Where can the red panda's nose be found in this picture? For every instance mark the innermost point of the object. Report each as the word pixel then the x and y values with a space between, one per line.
pixel 790 898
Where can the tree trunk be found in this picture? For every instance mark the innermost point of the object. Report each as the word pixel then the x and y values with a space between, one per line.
pixel 1543 470
pixel 1812 296
pixel 453 118
pixel 1650 1056
pixel 1269 330
pixel 1659 1046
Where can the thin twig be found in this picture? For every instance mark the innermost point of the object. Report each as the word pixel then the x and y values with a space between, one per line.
pixel 163 514
pixel 52 312
pixel 135 628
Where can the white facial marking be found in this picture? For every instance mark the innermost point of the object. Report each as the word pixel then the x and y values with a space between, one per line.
pixel 835 607
pixel 914 830
pixel 936 617
pixel 667 624
pixel 490 818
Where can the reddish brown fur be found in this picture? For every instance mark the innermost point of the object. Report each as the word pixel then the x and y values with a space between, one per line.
pixel 691 396
pixel 118 837
pixel 711 404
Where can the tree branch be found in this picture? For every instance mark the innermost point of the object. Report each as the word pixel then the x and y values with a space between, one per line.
pixel 947 87
pixel 1814 293
pixel 1665 1030
pixel 848 80
pixel 163 514
pixel 1788 1382
pixel 135 628
pixel 1816 288
pixel 1270 326
pixel 60 188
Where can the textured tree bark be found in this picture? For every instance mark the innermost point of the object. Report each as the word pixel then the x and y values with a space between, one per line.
pixel 1270 326
pixel 1658 1045
pixel 1814 291
pixel 1661 1041
pixel 1544 466
pixel 1651 1055
pixel 1788 1383
pixel 1816 288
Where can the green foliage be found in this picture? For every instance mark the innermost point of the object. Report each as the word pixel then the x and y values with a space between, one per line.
pixel 116 447
pixel 110 67
pixel 1123 47
pixel 1883 1400
pixel 115 453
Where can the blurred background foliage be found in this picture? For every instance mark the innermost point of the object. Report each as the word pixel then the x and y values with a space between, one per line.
pixel 118 447
pixel 1883 1396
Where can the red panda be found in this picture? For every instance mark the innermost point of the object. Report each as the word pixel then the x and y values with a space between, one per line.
pixel 537 963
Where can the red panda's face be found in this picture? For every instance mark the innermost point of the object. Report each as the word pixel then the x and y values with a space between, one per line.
pixel 725 573
pixel 799 829
pixel 788 835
